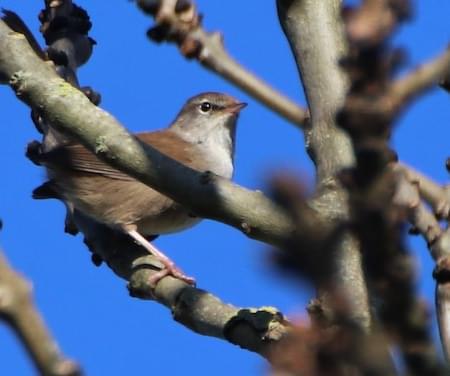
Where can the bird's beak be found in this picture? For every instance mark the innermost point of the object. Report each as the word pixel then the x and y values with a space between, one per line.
pixel 235 108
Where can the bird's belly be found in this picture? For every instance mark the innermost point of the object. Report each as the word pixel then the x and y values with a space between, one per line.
pixel 173 219
pixel 120 203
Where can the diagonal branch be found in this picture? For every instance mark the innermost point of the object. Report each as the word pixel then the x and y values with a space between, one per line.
pixel 18 311
pixel 37 84
pixel 409 188
pixel 254 329
pixel 182 24
pixel 422 78
pixel 407 195
pixel 434 194
pixel 70 112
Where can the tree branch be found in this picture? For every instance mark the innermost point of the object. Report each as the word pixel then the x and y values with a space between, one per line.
pixel 254 329
pixel 434 194
pixel 316 35
pixel 310 255
pixel 402 91
pixel 438 240
pixel 182 25
pixel 422 78
pixel 372 185
pixel 442 294
pixel 18 311
pixel 61 104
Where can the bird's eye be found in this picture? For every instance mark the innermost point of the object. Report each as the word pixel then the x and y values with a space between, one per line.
pixel 205 107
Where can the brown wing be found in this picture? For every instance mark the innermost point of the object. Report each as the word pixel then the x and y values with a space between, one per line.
pixel 76 157
pixel 170 144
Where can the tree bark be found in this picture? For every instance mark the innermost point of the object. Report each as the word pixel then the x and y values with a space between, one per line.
pixel 316 35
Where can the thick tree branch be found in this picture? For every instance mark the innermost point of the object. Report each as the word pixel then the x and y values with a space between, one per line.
pixel 70 112
pixel 58 102
pixel 182 25
pixel 18 311
pixel 316 34
pixel 310 254
pixel 254 329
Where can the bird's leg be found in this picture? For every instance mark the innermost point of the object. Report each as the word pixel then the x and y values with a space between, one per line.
pixel 170 267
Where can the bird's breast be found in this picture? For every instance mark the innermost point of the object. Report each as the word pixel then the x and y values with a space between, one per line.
pixel 218 160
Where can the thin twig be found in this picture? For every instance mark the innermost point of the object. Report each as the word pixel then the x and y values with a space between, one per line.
pixel 423 221
pixel 443 309
pixel 437 196
pixel 438 240
pixel 183 26
pixel 422 78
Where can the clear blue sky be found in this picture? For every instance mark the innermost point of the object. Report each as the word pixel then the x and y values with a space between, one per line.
pixel 143 85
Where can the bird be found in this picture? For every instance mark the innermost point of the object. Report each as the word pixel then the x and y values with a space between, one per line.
pixel 202 137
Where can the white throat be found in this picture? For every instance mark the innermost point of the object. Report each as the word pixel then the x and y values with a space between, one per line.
pixel 219 150
pixel 217 144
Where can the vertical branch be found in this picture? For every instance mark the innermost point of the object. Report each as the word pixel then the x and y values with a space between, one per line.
pixel 308 254
pixel 376 219
pixel 316 35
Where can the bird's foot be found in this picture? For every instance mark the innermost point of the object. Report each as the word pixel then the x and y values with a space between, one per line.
pixel 170 269
pixel 169 266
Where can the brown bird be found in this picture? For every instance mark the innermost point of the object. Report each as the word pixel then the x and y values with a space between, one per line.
pixel 201 137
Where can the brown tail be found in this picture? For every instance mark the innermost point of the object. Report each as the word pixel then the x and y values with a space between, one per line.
pixel 46 191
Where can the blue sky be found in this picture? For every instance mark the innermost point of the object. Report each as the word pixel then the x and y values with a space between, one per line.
pixel 87 308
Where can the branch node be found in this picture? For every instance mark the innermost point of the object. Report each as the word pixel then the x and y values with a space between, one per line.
pixel 16 80
pixel 101 146
pixel 246 229
pixel 191 48
pixel 268 322
pixel 441 272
